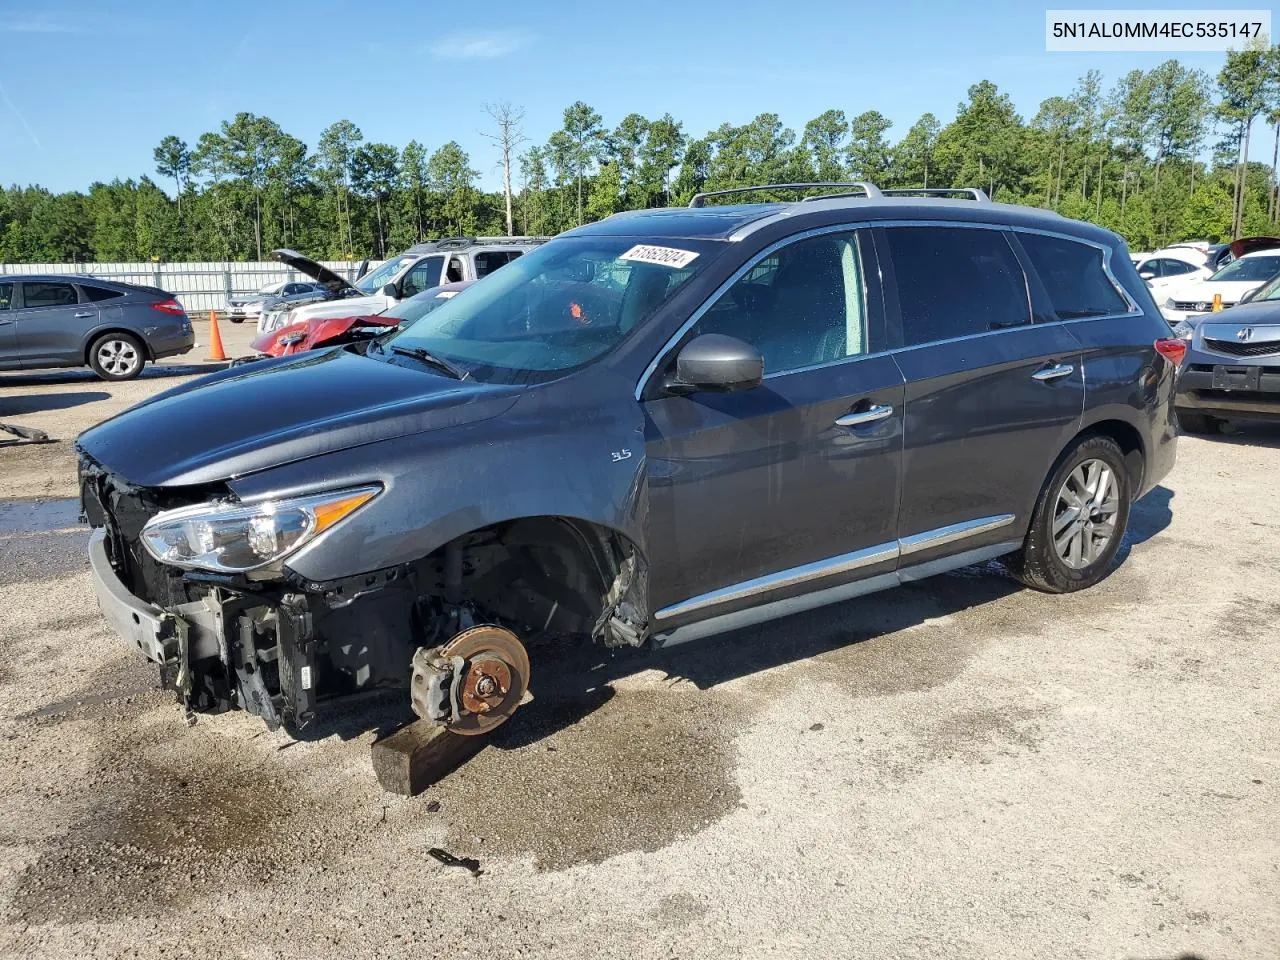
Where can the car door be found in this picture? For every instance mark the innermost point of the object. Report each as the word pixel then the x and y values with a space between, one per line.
pixel 991 396
pixel 793 485
pixel 423 275
pixel 8 329
pixel 51 322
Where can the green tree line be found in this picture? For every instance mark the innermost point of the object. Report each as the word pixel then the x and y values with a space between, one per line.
pixel 1161 155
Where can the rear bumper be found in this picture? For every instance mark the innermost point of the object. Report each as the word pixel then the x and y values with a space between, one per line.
pixel 169 346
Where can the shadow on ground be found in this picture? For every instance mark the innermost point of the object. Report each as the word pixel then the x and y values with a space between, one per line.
pixel 36 402
pixel 73 375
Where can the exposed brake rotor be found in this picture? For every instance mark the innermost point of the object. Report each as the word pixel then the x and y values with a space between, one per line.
pixel 473 682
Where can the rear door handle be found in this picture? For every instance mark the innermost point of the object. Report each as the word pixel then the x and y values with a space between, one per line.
pixel 1056 372
pixel 83 316
pixel 857 418
pixel 5 323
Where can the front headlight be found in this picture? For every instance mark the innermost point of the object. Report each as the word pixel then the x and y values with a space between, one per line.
pixel 1169 303
pixel 234 538
pixel 1183 330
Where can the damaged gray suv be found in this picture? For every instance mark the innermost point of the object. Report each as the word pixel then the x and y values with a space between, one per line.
pixel 662 426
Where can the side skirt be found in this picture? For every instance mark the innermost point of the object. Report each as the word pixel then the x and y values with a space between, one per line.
pixel 821 598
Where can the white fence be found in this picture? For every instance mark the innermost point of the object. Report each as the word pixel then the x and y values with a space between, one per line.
pixel 200 286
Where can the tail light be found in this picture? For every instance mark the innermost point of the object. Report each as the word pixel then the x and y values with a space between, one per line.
pixel 171 306
pixel 1172 349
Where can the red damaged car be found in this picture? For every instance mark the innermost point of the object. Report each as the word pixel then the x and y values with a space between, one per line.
pixel 331 331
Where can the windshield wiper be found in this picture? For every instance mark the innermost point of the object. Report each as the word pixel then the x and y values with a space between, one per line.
pixel 431 360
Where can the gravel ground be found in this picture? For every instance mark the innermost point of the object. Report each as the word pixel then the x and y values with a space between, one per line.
pixel 955 768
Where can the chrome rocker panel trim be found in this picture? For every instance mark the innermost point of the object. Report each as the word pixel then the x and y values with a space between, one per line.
pixel 834 566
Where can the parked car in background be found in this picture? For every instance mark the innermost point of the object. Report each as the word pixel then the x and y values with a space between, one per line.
pixel 75 321
pixel 332 331
pixel 665 425
pixel 1232 367
pixel 422 266
pixel 286 293
pixel 1172 265
pixel 1232 282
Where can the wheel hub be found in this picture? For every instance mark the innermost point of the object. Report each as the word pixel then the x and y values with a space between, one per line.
pixel 472 683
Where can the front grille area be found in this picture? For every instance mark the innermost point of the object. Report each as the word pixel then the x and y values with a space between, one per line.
pixel 1235 348
pixel 1197 306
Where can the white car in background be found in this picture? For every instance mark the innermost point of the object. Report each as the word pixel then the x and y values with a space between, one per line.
pixel 422 266
pixel 1232 282
pixel 1170 267
pixel 291 292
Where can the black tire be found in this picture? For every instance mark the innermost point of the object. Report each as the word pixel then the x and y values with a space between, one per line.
pixel 117 356
pixel 1039 564
pixel 1198 422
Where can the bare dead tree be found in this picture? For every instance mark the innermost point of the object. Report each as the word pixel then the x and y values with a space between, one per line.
pixel 508 138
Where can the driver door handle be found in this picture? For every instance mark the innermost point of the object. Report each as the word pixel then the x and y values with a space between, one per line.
pixel 876 411
pixel 83 316
pixel 1056 372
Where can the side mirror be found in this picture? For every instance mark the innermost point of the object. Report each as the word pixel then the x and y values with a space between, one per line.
pixel 714 361
pixel 1146 274
pixel 1249 296
pixel 390 291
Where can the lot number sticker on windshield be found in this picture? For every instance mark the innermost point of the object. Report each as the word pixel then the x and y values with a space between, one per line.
pixel 663 256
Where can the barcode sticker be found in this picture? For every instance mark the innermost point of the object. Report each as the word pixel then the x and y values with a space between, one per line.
pixel 663 256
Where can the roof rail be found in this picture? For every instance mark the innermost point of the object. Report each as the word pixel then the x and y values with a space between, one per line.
pixel 868 189
pixel 974 193
pixel 461 243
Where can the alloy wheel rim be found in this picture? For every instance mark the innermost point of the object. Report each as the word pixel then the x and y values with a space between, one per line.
pixel 1084 516
pixel 118 357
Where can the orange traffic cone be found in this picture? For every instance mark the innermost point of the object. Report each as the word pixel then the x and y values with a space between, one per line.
pixel 215 338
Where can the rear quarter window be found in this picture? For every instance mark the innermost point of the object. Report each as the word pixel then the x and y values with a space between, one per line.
pixel 97 294
pixel 1073 277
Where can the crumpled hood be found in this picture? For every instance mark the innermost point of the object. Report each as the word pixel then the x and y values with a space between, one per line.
pixel 260 415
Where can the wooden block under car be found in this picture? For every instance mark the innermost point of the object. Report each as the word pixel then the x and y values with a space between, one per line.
pixel 419 754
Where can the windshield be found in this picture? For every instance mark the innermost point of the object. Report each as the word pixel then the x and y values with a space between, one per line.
pixel 1269 290
pixel 270 288
pixel 375 280
pixel 557 308
pixel 1256 269
pixel 419 305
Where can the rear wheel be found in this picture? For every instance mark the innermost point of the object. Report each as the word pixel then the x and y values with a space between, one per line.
pixel 1079 519
pixel 1198 422
pixel 117 356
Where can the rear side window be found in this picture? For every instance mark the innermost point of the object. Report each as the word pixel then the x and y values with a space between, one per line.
pixel 96 294
pixel 6 295
pixel 955 282
pixel 1073 277
pixel 48 295
pixel 490 260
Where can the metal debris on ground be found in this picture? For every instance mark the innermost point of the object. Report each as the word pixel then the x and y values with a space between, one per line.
pixel 24 435
pixel 447 859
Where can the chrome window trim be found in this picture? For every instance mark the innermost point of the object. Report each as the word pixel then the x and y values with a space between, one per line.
pixel 715 295
pixel 844 563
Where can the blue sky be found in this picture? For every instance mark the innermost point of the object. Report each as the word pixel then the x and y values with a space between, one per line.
pixel 87 89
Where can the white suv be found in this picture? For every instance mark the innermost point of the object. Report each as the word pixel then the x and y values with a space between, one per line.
pixel 422 266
